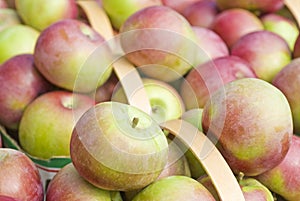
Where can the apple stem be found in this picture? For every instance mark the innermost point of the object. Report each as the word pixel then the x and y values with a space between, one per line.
pixel 241 176
pixel 135 121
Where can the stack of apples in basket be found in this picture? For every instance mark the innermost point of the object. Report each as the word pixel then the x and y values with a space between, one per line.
pixel 149 100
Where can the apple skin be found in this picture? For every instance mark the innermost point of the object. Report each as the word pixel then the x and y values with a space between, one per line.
pixel 17 39
pixel 48 13
pixel 267 60
pixel 202 81
pixel 67 54
pixel 165 101
pixel 252 121
pixel 211 43
pixel 201 13
pixel 262 6
pixel 178 5
pixel 296 52
pixel 7 198
pixel 234 23
pixel 46 125
pixel 21 84
pixel 20 178
pixel 112 130
pixel 119 10
pixel 288 82
pixel 284 179
pixel 68 185
pixel 105 91
pixel 174 188
pixel 171 50
pixel 3 4
pixel 283 26
pixel 8 17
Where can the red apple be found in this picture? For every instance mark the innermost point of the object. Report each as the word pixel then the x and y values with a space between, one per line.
pixel 105 91
pixel 284 179
pixel 47 123
pixel 211 43
pixel 165 48
pixel 234 23
pixel 201 13
pixel 40 15
pixel 21 84
pixel 68 185
pixel 20 178
pixel 252 121
pixel 6 198
pixel 3 4
pixel 296 52
pixel 73 56
pixel 202 81
pixel 118 147
pixel 266 52
pixel 178 5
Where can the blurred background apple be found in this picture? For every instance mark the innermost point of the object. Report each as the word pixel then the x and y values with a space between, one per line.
pixel 8 17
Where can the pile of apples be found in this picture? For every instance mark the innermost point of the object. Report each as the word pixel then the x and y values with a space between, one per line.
pixel 229 68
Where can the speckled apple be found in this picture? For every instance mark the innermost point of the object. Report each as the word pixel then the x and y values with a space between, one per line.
pixel 252 121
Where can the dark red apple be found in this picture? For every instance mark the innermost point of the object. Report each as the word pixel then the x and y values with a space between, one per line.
pixel 105 91
pixel 202 81
pixel 296 52
pixel 252 121
pixel 266 52
pixel 284 179
pixel 21 83
pixel 20 178
pixel 234 23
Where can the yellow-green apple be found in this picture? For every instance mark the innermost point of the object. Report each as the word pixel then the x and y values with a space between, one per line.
pixel 118 147
pixel 174 188
pixel 234 23
pixel 48 12
pixel 266 52
pixel 105 91
pixel 8 17
pixel 194 117
pixel 46 125
pixel 202 81
pixel 68 185
pixel 21 84
pixel 260 6
pixel 282 26
pixel 20 178
pixel 252 121
pixel 288 82
pixel 165 101
pixel 119 10
pixel 73 56
pixel 201 13
pixel 284 179
pixel 17 39
pixel 165 48
pixel 178 5
pixel 211 43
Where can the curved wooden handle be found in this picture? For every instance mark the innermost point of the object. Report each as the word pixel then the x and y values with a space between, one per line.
pixel 294 7
pixel 211 159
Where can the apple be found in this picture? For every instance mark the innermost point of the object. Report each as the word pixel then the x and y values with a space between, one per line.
pixel 211 43
pixel 46 125
pixel 165 101
pixel 119 10
pixel 174 188
pixel 68 185
pixel 179 5
pixel 282 26
pixel 21 84
pixel 7 198
pixel 284 179
pixel 194 117
pixel 40 15
pixel 124 133
pixel 165 48
pixel 8 17
pixel 234 23
pixel 202 81
pixel 266 52
pixel 20 178
pixel 105 91
pixel 17 39
pixel 296 52
pixel 252 121
pixel 201 13
pixel 3 4
pixel 260 6
pixel 288 82
pixel 73 56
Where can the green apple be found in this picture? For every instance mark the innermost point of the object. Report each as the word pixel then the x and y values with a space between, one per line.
pixel 165 101
pixel 118 147
pixel 47 123
pixel 8 17
pixel 17 39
